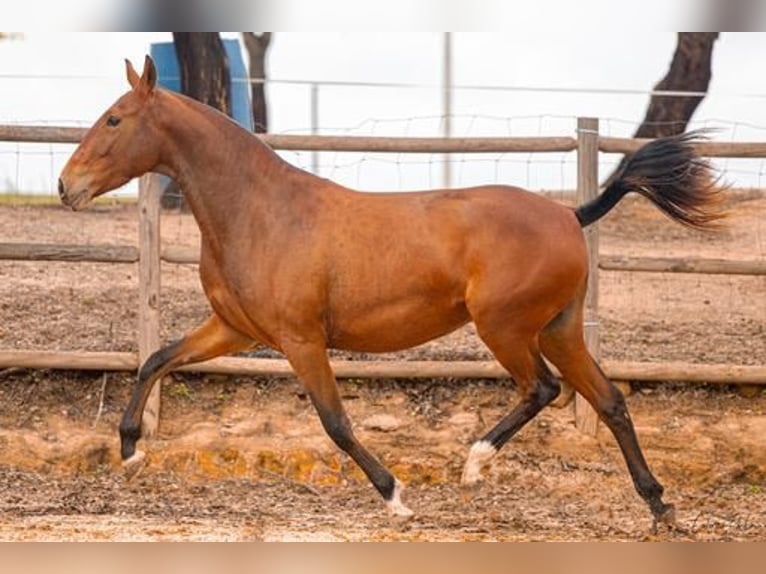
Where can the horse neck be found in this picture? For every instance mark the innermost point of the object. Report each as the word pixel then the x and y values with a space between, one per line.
pixel 223 171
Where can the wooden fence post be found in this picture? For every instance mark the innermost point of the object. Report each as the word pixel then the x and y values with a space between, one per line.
pixel 149 289
pixel 586 418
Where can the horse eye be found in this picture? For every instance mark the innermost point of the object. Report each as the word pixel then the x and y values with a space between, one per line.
pixel 112 121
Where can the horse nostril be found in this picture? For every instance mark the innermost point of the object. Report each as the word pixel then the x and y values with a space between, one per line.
pixel 61 188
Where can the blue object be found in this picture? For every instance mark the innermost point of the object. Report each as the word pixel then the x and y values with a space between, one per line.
pixel 169 77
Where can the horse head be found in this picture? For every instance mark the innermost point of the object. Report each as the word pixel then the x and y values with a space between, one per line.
pixel 118 147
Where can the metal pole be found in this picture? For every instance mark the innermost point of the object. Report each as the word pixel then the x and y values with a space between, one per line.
pixel 447 105
pixel 315 125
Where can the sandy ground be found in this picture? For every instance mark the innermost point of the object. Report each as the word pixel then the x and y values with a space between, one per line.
pixel 246 459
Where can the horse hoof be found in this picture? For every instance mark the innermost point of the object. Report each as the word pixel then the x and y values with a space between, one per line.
pixel 668 515
pixel 132 467
pixel 468 491
pixel 400 515
pixel 396 509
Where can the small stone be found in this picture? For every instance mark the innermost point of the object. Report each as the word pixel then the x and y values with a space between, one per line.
pixel 749 391
pixel 464 419
pixel 383 423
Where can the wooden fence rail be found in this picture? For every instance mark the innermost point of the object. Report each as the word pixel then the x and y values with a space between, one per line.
pixel 386 369
pixel 149 254
pixel 70 135
pixel 705 266
pixel 77 253
pixel 106 253
pixel 64 135
pixel 709 149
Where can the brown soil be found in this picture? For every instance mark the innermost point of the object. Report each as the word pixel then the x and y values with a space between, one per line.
pixel 246 459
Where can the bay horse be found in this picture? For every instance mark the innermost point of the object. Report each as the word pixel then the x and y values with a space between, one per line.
pixel 302 265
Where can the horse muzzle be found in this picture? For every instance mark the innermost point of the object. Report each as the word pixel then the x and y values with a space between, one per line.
pixel 74 199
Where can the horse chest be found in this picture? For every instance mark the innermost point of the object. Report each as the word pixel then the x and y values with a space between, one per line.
pixel 238 300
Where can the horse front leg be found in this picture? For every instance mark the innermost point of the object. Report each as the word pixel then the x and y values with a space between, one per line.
pixel 312 367
pixel 212 339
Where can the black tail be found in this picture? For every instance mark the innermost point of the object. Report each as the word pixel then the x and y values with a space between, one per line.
pixel 669 173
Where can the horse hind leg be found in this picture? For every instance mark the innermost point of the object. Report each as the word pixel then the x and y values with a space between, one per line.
pixel 534 381
pixel 562 342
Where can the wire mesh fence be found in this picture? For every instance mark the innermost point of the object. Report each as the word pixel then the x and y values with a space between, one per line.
pixel 400 110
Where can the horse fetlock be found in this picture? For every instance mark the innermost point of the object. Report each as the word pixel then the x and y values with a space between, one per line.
pixel 651 491
pixel 129 436
pixel 480 454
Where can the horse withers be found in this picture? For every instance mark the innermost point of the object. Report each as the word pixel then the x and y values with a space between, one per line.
pixel 302 265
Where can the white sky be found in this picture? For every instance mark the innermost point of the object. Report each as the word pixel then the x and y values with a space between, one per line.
pixel 37 86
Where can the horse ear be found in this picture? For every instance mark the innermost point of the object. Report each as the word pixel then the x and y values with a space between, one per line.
pixel 149 77
pixel 133 78
pixel 144 85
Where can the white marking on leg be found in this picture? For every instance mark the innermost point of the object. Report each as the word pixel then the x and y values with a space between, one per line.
pixel 481 452
pixel 138 456
pixel 395 506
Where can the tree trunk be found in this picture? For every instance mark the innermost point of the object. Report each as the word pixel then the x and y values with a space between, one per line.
pixel 690 71
pixel 257 46
pixel 205 77
pixel 204 68
pixel 734 15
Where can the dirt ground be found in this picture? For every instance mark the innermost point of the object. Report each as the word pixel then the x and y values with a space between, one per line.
pixel 246 459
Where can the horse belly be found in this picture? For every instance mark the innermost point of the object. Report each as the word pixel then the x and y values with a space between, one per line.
pixel 395 326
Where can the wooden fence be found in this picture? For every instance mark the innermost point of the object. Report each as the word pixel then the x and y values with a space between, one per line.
pixel 150 253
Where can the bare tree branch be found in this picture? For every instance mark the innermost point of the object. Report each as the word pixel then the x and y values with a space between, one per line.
pixel 690 71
